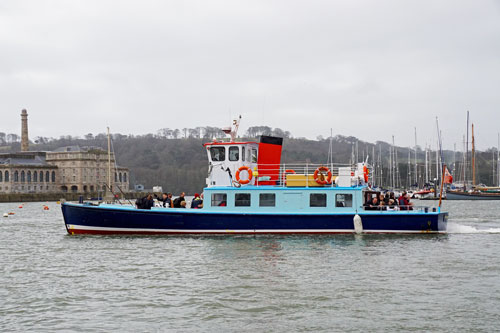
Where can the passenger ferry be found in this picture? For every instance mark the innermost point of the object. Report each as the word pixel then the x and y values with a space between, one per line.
pixel 249 191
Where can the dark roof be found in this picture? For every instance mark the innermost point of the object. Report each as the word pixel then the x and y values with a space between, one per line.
pixel 24 158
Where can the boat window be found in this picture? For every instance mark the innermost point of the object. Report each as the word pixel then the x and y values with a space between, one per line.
pixel 234 153
pixel 218 154
pixel 254 155
pixel 242 199
pixel 343 200
pixel 219 199
pixel 317 200
pixel 243 153
pixel 267 200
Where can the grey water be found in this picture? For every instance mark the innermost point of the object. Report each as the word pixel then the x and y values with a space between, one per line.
pixel 51 281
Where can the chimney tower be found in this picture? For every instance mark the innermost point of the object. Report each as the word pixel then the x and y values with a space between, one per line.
pixel 24 131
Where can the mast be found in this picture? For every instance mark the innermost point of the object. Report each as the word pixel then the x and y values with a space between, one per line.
pixel 426 165
pixel 473 159
pixel 416 166
pixel 466 153
pixel 110 187
pixel 498 161
pixel 408 178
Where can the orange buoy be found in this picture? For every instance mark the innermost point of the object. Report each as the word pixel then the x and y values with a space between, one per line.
pixel 45 208
pixel 11 213
pixel 21 206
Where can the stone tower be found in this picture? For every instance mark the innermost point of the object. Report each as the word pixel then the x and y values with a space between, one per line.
pixel 24 131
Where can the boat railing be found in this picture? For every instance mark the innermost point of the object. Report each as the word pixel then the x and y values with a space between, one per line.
pixel 399 208
pixel 278 172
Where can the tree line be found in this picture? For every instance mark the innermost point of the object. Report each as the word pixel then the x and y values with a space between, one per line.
pixel 176 160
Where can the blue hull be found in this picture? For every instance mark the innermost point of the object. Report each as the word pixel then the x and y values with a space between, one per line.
pixel 88 219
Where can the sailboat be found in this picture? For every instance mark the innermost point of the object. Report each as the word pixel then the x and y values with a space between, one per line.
pixel 476 192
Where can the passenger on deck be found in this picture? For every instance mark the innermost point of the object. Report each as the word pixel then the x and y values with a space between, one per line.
pixel 403 201
pixel 165 200
pixel 387 198
pixel 197 202
pixel 145 203
pixel 178 201
pixel 373 204
pixel 391 196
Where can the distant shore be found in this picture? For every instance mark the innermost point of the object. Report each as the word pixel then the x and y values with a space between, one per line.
pixel 56 196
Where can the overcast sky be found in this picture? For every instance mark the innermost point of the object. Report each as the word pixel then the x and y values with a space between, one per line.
pixel 370 69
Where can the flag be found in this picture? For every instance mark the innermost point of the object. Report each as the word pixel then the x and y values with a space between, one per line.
pixel 448 178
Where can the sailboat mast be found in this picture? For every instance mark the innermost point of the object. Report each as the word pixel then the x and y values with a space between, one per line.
pixel 473 159
pixel 426 165
pixel 466 153
pixel 109 162
pixel 498 161
pixel 416 166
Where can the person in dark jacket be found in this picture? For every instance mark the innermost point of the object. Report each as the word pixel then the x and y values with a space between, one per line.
pixel 166 199
pixel 178 201
pixel 145 202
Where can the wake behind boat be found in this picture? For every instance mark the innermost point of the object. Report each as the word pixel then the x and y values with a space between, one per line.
pixel 249 191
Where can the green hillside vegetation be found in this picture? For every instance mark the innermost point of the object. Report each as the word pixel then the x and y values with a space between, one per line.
pixel 177 161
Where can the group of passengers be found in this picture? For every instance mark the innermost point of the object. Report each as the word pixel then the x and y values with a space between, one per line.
pixel 389 202
pixel 165 200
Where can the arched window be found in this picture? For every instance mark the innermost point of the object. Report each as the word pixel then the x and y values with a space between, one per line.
pixel 47 176
pixel 116 177
pixel 1 176
pixel 125 177
pixel 53 176
pixel 41 176
pixel 23 176
pixel 6 176
pixel 35 177
pixel 120 177
pixel 16 176
pixel 74 188
pixel 28 175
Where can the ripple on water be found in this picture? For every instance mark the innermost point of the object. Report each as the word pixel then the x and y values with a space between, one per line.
pixel 52 281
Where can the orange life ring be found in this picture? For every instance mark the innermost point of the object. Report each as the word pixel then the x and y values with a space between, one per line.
pixel 244 181
pixel 328 179
pixel 365 173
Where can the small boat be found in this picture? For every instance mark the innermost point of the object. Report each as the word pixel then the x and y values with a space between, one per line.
pixel 249 191
pixel 472 195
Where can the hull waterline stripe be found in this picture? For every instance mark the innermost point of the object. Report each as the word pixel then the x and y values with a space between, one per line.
pixel 91 229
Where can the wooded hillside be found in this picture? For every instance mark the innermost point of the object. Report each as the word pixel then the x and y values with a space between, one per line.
pixel 177 161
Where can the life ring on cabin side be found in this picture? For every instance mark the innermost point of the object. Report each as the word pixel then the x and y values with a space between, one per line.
pixel 365 173
pixel 244 181
pixel 323 181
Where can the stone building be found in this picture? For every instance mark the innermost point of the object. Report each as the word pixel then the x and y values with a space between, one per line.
pixel 27 172
pixel 67 169
pixel 86 170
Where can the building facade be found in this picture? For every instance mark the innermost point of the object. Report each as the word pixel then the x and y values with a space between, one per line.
pixel 68 169
pixel 27 173
pixel 86 170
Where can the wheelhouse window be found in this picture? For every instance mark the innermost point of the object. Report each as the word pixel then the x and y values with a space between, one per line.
pixel 219 199
pixel 243 153
pixel 234 153
pixel 267 200
pixel 254 155
pixel 242 200
pixel 317 200
pixel 218 154
pixel 343 200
